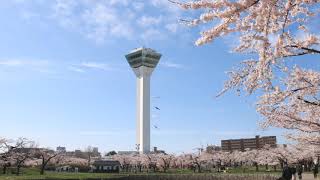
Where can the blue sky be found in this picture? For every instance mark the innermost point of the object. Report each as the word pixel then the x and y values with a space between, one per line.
pixel 65 81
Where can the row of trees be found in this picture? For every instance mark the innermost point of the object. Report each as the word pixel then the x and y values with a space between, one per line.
pixel 25 153
pixel 267 156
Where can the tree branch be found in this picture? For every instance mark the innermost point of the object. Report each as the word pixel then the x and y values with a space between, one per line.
pixel 310 50
pixel 309 102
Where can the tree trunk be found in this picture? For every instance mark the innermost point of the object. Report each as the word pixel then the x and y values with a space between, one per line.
pixel 281 164
pixel 4 170
pixel 42 171
pixel 164 169
pixel 18 170
pixel 43 166
pixel 89 161
pixel 244 169
pixel 199 168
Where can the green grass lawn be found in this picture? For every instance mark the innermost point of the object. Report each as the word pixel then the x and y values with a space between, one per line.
pixel 252 170
pixel 54 175
pixel 33 173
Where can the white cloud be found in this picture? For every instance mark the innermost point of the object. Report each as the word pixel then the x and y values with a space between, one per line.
pixel 63 13
pixel 169 64
pixel 94 65
pixel 54 67
pixel 166 6
pixel 64 8
pixel 102 20
pixel 161 3
pixel 23 63
pixel 122 30
pixel 100 15
pixel 138 6
pixel 42 66
pixel 10 63
pixel 146 21
pixel 19 1
pixel 119 2
pixel 152 34
pixel 76 69
pixel 173 27
pixel 27 15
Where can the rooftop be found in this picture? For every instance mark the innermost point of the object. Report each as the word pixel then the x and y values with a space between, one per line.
pixel 144 49
pixel 143 57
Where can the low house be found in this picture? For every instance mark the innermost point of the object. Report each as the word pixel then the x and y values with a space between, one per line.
pixel 67 169
pixel 106 166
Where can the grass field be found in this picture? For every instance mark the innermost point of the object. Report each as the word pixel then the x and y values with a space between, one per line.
pixel 32 173
pixel 54 175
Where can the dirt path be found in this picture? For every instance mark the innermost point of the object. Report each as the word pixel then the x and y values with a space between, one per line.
pixel 309 177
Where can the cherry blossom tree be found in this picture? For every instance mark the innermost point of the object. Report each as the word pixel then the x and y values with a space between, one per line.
pixel 22 150
pixel 164 161
pixel 137 161
pixel 181 161
pixel 304 152
pixel 124 160
pixel 45 155
pixel 218 159
pixel 272 34
pixel 5 154
pixel 201 160
pixel 235 158
pixel 16 152
pixel 241 158
pixel 252 157
pixel 195 161
pixel 267 158
pixel 71 161
pixel 33 162
pixel 284 154
pixel 297 153
pixel 296 106
pixel 150 161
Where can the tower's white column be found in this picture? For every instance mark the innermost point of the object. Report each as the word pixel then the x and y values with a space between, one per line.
pixel 143 113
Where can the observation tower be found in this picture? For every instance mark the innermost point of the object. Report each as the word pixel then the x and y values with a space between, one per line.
pixel 143 61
